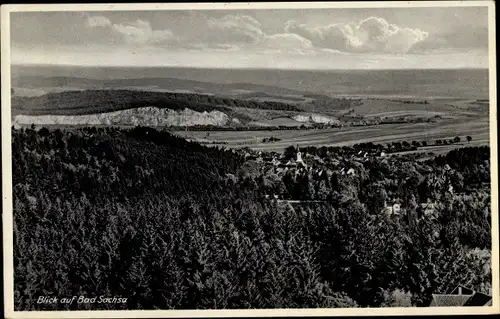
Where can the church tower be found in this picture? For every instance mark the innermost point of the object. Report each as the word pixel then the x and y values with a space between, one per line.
pixel 299 158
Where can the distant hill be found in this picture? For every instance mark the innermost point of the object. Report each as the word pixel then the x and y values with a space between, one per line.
pixel 61 81
pixel 49 84
pixel 101 101
pixel 421 84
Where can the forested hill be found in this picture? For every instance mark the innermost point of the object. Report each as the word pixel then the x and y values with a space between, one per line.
pixel 100 101
pixel 121 164
pixel 170 224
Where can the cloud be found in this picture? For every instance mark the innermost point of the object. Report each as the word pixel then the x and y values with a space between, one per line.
pixel 240 32
pixel 370 35
pixel 98 21
pixel 457 38
pixel 136 32
pixel 244 32
pixel 233 32
pixel 332 51
pixel 234 29
pixel 286 41
pixel 140 32
pixel 228 47
pixel 330 36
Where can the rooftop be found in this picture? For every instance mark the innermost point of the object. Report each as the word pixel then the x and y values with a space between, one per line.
pixel 461 296
pixel 478 299
pixel 449 300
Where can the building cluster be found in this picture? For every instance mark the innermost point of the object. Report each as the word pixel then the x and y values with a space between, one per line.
pixel 348 164
pixel 309 162
pixel 395 207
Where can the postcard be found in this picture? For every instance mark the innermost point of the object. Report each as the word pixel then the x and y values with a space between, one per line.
pixel 249 159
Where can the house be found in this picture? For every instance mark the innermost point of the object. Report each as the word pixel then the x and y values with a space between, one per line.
pixel 335 162
pixel 291 163
pixel 479 299
pixel 461 297
pixel 461 290
pixel 449 300
pixel 351 172
pixel 450 189
pixel 249 157
pixel 387 210
pixel 429 209
pixel 394 208
pixel 436 182
pixel 318 159
pixel 277 163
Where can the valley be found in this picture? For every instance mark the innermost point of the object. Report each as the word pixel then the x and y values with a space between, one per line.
pixel 243 115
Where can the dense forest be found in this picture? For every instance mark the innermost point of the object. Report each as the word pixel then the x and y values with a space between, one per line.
pixel 170 224
pixel 98 101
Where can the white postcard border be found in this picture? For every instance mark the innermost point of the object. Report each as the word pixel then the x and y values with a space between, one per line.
pixel 7 166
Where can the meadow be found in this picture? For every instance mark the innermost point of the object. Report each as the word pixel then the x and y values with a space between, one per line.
pixel 444 118
pixel 390 107
pixel 429 132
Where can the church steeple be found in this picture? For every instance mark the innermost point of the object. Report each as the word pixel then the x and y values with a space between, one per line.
pixel 299 157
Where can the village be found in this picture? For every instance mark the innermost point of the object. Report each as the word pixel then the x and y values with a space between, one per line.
pixel 319 166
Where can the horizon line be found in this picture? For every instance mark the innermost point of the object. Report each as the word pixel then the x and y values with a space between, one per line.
pixel 237 68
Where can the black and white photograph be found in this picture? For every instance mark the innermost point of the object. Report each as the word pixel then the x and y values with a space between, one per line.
pixel 222 157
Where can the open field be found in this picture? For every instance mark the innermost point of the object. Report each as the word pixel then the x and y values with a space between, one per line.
pixel 442 107
pixel 279 121
pixel 446 129
pixel 268 105
pixel 434 150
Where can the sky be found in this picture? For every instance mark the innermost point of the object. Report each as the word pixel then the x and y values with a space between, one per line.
pixel 364 38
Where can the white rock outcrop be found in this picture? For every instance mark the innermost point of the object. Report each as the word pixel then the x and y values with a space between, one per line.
pixel 145 116
pixel 315 118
